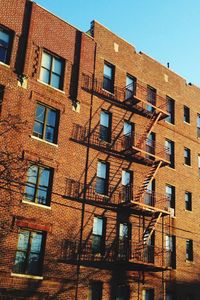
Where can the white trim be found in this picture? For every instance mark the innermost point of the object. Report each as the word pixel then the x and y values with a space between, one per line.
pixel 27 276
pixel 36 204
pixel 46 84
pixel 41 140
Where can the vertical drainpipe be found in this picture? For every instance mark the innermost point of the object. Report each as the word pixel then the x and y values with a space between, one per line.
pixel 85 178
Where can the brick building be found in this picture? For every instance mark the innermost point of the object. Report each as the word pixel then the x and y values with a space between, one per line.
pixel 99 166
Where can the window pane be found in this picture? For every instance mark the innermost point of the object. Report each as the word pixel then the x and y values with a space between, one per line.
pixel 3 52
pixel 108 71
pixel 126 178
pixel 33 267
pixel 30 192
pixel 104 119
pixel 127 128
pixel 51 118
pixel 36 242
pixel 23 240
pixel 40 113
pixel 32 174
pixel 49 135
pixel 98 226
pixel 19 264
pixel 101 170
pixel 44 177
pixel 123 231
pixel 38 129
pixel 4 38
pixel 57 66
pixel 42 196
pixel 44 75
pixel 55 81
pixel 46 60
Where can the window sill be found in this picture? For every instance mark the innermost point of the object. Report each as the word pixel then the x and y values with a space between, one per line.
pixel 36 204
pixel 187 210
pixel 27 276
pixel 171 168
pixel 189 261
pixel 102 195
pixel 112 94
pixel 186 123
pixel 50 86
pixel 189 166
pixel 43 141
pixel 5 65
pixel 169 123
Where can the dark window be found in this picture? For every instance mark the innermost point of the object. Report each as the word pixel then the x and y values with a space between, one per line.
pixel 5 45
pixel 102 177
pixel 128 134
pixel 149 195
pixel 189 250
pixel 186 114
pixel 198 125
pixel 171 251
pixel 95 290
pixel 170 194
pixel 148 294
pixel 188 201
pixel 150 145
pixel 52 70
pixel 187 157
pixel 98 235
pixel 127 180
pixel 29 255
pixel 170 296
pixel 105 126
pixel 46 123
pixel 124 240
pixel 170 110
pixel 122 292
pixel 130 87
pixel 108 77
pixel 169 145
pixel 38 185
pixel 151 98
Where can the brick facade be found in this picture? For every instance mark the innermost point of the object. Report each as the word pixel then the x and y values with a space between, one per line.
pixel 133 255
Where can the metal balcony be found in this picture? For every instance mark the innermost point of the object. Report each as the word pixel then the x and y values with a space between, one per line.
pixel 134 98
pixel 127 254
pixel 134 147
pixel 118 197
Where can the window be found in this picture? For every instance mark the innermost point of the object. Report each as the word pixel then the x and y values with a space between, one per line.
pixel 122 292
pixel 38 185
pixel 102 177
pixel 46 123
pixel 170 194
pixel 198 125
pixel 150 193
pixel 127 179
pixel 148 294
pixel 29 254
pixel 124 239
pixel 150 145
pixel 105 126
pixel 170 296
pixel 151 98
pixel 108 77
pixel 187 157
pixel 130 86
pixel 170 110
pixel 128 134
pixel 169 145
pixel 95 290
pixel 186 111
pixel 5 45
pixel 1 96
pixel 52 69
pixel 98 235
pixel 188 201
pixel 170 251
pixel 189 250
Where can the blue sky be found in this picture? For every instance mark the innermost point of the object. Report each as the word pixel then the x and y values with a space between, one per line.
pixel 167 30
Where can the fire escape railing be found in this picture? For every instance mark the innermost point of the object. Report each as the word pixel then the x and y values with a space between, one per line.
pixel 115 252
pixel 134 94
pixel 115 196
pixel 121 144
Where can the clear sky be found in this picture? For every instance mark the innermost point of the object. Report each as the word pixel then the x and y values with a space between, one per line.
pixel 167 30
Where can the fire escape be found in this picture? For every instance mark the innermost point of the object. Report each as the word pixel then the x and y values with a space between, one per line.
pixel 135 147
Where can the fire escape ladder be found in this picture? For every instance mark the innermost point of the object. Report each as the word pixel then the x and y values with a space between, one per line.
pixel 148 179
pixel 151 228
pixel 149 128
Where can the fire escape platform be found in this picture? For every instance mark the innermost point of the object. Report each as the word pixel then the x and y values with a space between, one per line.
pixel 139 102
pixel 147 157
pixel 144 209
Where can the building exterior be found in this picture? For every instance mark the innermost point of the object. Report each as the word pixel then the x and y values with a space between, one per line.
pixel 99 165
